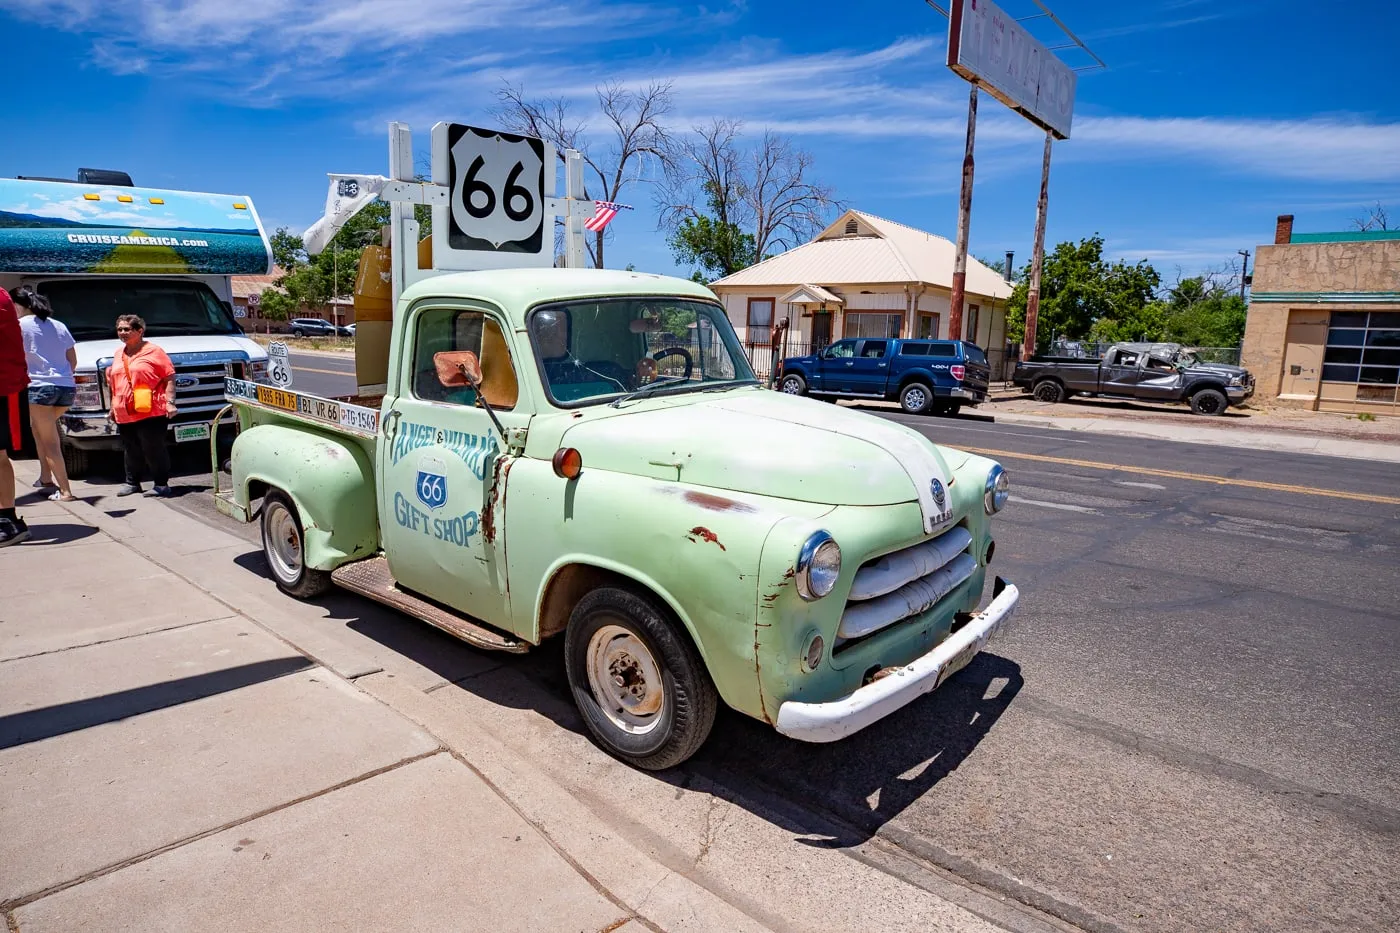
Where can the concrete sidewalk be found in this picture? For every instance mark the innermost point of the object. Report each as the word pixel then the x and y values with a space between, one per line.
pixel 184 748
pixel 167 763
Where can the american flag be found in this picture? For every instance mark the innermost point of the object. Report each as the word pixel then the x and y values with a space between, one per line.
pixel 603 213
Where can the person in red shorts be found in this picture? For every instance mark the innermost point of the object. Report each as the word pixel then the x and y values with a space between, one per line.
pixel 14 379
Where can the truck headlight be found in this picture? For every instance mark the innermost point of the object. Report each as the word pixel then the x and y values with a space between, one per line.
pixel 818 566
pixel 87 393
pixel 1237 380
pixel 257 371
pixel 997 490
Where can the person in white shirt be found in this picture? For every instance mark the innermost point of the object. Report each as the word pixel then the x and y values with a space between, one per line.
pixel 48 349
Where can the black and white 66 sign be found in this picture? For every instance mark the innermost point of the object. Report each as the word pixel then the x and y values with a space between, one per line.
pixel 498 190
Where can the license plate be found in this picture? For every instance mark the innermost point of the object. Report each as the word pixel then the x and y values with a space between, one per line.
pixel 191 432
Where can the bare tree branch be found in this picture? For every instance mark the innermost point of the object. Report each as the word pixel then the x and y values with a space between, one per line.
pixel 634 142
pixel 1375 218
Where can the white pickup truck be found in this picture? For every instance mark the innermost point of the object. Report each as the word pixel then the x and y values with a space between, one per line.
pixel 100 247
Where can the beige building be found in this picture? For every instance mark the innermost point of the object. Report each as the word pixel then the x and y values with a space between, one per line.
pixel 863 276
pixel 1323 331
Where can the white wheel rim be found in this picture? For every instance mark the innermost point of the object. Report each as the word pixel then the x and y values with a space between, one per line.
pixel 625 680
pixel 915 399
pixel 790 386
pixel 283 545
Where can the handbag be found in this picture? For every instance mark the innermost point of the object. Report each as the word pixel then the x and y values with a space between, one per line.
pixel 140 401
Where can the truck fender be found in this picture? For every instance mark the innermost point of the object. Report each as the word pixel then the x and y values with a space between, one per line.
pixel 329 480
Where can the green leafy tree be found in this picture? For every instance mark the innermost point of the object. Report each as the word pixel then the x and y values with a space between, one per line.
pixel 276 305
pixel 715 248
pixel 1205 311
pixel 1081 293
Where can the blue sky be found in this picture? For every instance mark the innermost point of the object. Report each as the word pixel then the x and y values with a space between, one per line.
pixel 1211 119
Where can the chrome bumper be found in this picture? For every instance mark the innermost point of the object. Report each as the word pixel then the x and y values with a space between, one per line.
pixel 830 722
pixel 1238 393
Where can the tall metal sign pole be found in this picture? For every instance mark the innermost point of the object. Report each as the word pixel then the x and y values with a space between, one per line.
pixel 956 299
pixel 995 53
pixel 1037 253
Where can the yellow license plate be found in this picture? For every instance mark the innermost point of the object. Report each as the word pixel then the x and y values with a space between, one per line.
pixel 277 398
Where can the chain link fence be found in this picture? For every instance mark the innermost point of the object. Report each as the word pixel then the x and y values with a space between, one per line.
pixel 1087 349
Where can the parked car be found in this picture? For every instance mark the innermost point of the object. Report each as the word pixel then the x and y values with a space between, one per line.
pixel 922 375
pixel 349 329
pixel 315 327
pixel 1155 372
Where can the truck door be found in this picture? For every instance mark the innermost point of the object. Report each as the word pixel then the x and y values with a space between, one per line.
pixel 869 370
pixel 1118 375
pixel 439 460
pixel 835 364
pixel 1160 379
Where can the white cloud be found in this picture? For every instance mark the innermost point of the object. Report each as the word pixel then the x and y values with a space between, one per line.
pixel 1322 149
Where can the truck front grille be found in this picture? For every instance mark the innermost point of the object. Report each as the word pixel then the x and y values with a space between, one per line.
pixel 200 400
pixel 907 583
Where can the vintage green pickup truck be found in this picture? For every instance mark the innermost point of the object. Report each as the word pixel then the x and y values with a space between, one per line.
pixel 587 453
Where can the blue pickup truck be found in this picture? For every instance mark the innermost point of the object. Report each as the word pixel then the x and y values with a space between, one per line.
pixel 923 376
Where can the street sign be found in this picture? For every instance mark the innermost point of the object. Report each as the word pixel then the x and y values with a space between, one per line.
pixel 497 215
pixel 992 50
pixel 279 364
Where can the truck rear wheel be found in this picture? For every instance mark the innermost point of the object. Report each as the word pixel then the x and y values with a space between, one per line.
pixel 1209 402
pixel 793 384
pixel 284 547
pixel 76 461
pixel 915 398
pixel 638 681
pixel 1048 390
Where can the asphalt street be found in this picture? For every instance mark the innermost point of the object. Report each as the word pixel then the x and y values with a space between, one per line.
pixel 1192 724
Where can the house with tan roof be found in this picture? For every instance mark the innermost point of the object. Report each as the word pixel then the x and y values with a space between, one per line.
pixel 864 276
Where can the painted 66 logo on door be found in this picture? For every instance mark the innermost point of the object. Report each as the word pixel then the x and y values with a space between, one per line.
pixel 431 484
pixel 498 191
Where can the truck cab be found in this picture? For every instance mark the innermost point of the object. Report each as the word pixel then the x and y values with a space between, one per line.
pixel 923 376
pixel 100 247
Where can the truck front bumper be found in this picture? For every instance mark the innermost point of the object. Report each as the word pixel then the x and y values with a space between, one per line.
pixel 1237 394
pixel 832 721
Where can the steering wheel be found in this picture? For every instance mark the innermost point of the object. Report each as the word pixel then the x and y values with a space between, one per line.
pixel 660 355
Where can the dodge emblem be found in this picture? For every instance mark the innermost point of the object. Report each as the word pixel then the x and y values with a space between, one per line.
pixel 936 487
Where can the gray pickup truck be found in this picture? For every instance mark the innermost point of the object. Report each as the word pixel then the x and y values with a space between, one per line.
pixel 1150 372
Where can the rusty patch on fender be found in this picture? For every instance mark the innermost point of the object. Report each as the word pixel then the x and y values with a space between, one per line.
pixel 715 503
pixel 701 533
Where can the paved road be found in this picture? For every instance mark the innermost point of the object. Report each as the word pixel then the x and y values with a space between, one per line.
pixel 1193 724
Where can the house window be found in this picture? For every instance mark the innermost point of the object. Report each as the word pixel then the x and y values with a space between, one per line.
pixel 873 324
pixel 760 320
pixel 1364 348
pixel 928 326
pixel 974 312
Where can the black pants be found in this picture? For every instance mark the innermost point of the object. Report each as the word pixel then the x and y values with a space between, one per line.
pixel 144 444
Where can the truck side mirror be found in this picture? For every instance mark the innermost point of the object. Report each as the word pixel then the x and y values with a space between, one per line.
pixel 457 368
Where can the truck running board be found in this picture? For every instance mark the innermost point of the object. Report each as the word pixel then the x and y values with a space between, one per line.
pixel 371 578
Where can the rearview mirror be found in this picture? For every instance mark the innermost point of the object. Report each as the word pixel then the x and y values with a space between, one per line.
pixel 457 368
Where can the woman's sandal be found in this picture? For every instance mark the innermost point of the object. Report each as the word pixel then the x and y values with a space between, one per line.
pixel 60 497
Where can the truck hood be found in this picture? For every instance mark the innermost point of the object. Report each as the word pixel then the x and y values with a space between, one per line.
pixel 1224 369
pixel 769 444
pixel 90 351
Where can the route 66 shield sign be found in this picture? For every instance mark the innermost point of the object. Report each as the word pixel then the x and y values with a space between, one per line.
pixel 430 485
pixel 497 190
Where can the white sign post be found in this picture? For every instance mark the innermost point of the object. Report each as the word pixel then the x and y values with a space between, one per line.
pixel 279 364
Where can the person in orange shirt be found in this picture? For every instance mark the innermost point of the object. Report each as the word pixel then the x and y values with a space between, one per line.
pixel 142 380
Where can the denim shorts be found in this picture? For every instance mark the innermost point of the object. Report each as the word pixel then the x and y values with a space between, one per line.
pixel 56 396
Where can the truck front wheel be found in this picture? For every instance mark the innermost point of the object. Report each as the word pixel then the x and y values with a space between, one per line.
pixel 284 547
pixel 915 398
pixel 76 461
pixel 1209 402
pixel 638 681
pixel 1048 390
pixel 793 384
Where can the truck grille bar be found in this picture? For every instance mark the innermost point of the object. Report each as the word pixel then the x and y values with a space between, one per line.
pixel 906 583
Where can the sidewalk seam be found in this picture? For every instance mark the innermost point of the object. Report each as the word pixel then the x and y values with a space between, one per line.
pixel 573 863
pixel 10 906
pixel 108 641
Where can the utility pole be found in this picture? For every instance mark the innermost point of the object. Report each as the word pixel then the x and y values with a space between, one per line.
pixel 1244 275
pixel 958 296
pixel 1037 253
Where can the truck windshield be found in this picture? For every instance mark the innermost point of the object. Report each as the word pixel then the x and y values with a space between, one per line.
pixel 596 350
pixel 170 309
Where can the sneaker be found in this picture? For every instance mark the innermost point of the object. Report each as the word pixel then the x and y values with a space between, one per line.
pixel 129 489
pixel 159 492
pixel 13 531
